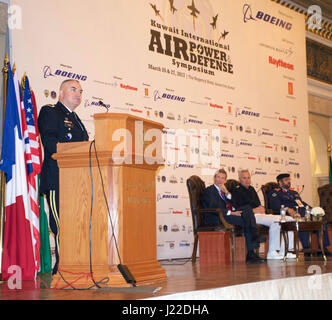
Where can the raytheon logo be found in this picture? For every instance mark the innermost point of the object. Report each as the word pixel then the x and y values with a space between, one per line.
pixel 47 71
pixel 260 15
pixel 280 63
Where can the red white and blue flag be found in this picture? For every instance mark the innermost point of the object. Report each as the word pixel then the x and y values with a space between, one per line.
pixel 17 242
pixel 32 159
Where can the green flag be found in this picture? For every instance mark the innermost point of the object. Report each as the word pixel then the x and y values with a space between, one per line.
pixel 45 252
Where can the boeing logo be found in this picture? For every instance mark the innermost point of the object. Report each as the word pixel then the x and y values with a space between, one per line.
pixel 248 15
pixel 247 113
pixel 245 144
pixel 224 155
pixel 182 165
pixel 47 71
pixel 259 173
pixel 292 163
pixel 166 196
pixel 96 104
pixel 264 133
pixel 194 121
pixel 156 97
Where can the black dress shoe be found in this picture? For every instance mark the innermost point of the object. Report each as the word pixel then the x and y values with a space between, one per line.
pixel 253 258
pixel 259 238
pixel 258 257
pixel 55 269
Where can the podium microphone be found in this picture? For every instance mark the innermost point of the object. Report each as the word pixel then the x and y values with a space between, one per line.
pixel 102 104
pixel 302 189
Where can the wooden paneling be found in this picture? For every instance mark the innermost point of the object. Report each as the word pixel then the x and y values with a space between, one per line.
pixel 215 248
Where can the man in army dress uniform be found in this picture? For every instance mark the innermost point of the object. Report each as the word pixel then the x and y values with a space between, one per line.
pixel 291 199
pixel 57 124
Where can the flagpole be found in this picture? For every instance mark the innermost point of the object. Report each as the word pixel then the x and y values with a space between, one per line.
pixel 2 175
pixel 329 161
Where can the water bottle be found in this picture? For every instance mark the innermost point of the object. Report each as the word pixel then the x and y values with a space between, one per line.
pixel 282 214
pixel 307 214
pixel 297 215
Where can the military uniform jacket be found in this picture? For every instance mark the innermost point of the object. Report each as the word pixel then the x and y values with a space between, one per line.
pixel 289 198
pixel 245 197
pixel 56 125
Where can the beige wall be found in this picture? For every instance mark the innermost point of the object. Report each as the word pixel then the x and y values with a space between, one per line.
pixel 320 135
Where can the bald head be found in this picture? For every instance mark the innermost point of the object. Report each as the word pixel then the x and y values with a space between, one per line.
pixel 70 94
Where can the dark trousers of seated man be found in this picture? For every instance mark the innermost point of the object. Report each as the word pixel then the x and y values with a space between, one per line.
pixel 304 236
pixel 246 221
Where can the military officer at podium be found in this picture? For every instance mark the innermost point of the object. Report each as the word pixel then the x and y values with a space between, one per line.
pixel 58 124
pixel 285 195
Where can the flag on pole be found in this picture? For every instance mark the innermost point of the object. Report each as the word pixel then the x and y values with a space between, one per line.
pixel 45 251
pixel 33 167
pixel 17 241
pixel 330 170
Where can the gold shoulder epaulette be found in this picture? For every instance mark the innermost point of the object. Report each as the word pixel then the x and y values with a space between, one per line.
pixel 50 105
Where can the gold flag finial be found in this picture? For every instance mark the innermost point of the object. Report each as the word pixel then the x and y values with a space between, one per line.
pixel 23 80
pixel 14 68
pixel 23 83
pixel 329 147
pixel 5 66
pixel 6 59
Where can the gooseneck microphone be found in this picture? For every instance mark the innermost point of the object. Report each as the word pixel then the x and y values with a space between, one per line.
pixel 102 104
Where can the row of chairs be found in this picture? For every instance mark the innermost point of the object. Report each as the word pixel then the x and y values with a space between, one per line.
pixel 196 186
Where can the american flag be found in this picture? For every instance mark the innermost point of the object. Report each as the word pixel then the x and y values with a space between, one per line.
pixel 33 165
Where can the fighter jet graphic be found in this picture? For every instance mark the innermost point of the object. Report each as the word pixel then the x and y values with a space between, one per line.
pixel 214 22
pixel 173 9
pixel 156 11
pixel 194 12
pixel 223 35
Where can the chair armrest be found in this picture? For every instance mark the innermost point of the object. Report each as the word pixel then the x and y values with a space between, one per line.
pixel 221 216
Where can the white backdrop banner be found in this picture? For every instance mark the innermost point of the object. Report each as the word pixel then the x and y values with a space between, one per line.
pixel 226 78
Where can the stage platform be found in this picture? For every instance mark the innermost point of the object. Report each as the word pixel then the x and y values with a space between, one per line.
pixel 272 280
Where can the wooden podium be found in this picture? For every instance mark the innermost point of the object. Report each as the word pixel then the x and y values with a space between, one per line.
pixel 128 165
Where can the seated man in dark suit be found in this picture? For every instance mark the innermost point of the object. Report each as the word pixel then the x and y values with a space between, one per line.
pixel 217 196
